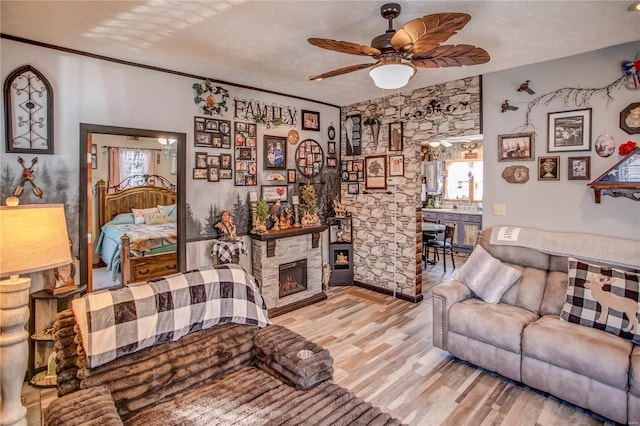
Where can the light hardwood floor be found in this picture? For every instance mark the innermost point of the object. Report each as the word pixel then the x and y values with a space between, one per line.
pixel 383 352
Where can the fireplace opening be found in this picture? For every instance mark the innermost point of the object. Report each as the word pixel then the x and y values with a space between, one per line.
pixel 293 278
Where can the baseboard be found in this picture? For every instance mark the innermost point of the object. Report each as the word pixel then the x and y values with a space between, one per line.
pixel 297 305
pixel 413 299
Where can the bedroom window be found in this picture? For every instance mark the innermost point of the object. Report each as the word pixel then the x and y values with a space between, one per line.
pixel 136 162
pixel 130 162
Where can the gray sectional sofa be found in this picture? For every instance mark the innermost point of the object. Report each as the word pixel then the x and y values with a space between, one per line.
pixel 523 336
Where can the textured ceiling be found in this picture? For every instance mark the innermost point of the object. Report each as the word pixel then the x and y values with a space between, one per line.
pixel 263 44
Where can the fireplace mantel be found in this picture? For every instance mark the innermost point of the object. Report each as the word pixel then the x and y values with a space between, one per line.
pixel 271 236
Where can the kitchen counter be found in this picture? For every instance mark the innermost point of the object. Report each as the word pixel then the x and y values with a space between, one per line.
pixel 456 211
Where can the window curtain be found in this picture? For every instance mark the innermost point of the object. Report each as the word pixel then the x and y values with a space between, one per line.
pixel 125 162
pixel 114 169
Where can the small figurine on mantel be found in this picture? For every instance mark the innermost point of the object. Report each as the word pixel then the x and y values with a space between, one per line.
pixel 339 208
pixel 226 227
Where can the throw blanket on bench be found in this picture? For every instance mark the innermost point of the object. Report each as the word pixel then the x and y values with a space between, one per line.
pixel 118 322
pixel 598 248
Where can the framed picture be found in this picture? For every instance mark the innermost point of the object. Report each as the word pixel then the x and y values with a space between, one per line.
pixel 331 147
pixel 198 125
pixel 214 174
pixel 199 173
pixel 273 193
pixel 201 160
pixel 213 161
pixel 332 162
pixel 579 168
pixel 395 136
pixel 210 124
pixel 630 119
pixel 310 120
pixel 291 175
pixel 396 165
pixel 203 139
pixel 94 156
pixel 516 147
pixel 225 161
pixel 375 172
pixel 569 131
pixel 353 125
pixel 275 152
pixel 357 166
pixel 353 188
pixel 549 168
pixel 226 174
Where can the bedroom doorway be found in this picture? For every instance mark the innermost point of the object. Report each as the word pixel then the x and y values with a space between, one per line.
pixel 89 134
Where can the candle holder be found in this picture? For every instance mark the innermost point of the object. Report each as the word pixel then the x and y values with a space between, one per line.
pixel 296 203
pixel 254 205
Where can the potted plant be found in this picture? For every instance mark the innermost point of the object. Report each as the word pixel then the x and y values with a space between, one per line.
pixel 262 212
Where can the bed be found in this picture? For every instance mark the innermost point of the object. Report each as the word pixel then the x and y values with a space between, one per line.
pixel 138 251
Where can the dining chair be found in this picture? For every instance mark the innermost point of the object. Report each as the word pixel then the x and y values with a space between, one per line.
pixel 445 245
pixel 426 237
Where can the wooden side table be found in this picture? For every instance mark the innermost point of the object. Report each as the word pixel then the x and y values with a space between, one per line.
pixel 43 309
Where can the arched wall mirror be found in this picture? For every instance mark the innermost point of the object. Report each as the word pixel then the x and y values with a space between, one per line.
pixel 113 202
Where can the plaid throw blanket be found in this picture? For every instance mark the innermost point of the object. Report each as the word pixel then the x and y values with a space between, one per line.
pixel 122 321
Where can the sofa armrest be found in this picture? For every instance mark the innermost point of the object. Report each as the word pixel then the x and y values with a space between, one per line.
pixel 292 358
pixel 444 296
pixel 92 406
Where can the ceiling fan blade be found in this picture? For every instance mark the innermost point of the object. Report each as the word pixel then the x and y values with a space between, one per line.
pixel 451 56
pixel 426 33
pixel 344 47
pixel 344 70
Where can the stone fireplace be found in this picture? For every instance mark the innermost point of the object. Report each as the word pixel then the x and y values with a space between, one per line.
pixel 288 265
pixel 293 278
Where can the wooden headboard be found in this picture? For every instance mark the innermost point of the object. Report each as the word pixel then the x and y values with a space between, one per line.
pixel 155 190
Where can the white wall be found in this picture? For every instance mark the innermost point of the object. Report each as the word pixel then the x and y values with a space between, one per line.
pixel 92 91
pixel 562 205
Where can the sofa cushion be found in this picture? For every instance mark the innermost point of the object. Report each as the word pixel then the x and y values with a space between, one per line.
pixel 634 374
pixel 486 276
pixel 603 298
pixel 497 324
pixel 554 293
pixel 527 292
pixel 587 351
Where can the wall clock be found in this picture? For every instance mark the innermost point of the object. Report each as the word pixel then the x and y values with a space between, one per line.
pixel 331 132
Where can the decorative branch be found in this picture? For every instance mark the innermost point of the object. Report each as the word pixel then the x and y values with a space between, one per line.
pixel 576 95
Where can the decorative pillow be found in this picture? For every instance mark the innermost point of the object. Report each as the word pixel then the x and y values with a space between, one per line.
pixel 603 298
pixel 156 218
pixel 171 211
pixel 122 219
pixel 138 214
pixel 486 276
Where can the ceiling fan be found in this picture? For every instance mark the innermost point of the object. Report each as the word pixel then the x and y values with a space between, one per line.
pixel 398 53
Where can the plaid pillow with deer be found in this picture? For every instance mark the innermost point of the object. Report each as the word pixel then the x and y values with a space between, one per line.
pixel 604 298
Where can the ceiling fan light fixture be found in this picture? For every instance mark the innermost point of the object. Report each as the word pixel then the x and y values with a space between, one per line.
pixel 392 73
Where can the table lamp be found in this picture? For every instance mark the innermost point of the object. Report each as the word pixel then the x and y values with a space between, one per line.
pixel 32 238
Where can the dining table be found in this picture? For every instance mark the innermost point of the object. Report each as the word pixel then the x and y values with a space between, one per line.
pixel 433 228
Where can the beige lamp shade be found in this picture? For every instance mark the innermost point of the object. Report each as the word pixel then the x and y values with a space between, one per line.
pixel 33 238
